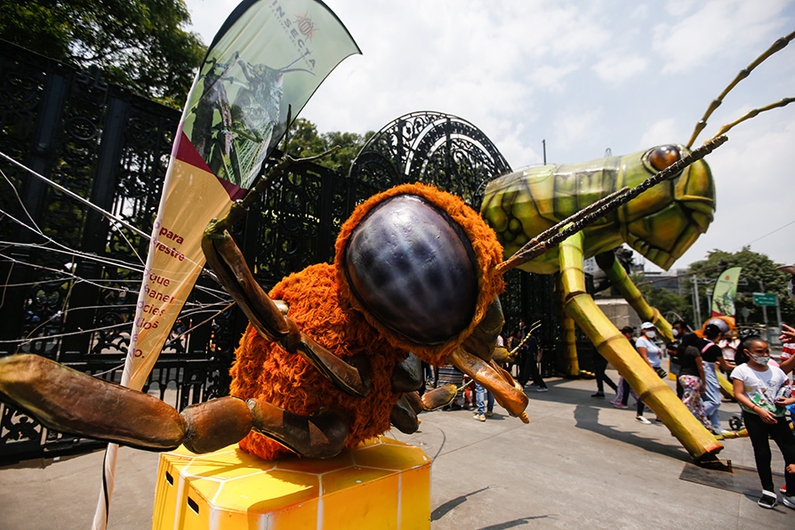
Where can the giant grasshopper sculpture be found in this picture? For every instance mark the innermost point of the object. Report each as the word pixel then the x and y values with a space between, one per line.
pixel 661 224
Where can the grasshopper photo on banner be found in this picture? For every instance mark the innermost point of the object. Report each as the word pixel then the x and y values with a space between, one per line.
pixel 268 57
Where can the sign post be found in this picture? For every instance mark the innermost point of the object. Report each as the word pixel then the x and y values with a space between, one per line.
pixel 765 300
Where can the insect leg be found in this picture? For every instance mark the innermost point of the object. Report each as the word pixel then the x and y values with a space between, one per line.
pixel 404 413
pixel 567 333
pixel 407 375
pixel 508 393
pixel 620 279
pixel 612 345
pixel 229 265
pixel 321 435
pixel 66 400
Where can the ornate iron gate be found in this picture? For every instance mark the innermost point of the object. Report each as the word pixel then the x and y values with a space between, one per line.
pixel 70 278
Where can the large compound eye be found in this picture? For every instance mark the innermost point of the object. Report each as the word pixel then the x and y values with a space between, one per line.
pixel 414 269
pixel 663 156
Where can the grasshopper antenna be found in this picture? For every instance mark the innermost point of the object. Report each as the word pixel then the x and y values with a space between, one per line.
pixel 777 46
pixel 752 113
pixel 587 216
pixel 535 326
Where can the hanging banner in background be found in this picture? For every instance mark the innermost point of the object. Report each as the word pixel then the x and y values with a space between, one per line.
pixel 269 55
pixel 725 292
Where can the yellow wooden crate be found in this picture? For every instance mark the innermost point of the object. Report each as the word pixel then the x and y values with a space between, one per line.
pixel 381 484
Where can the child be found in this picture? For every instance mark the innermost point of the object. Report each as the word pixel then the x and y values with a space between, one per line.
pixel 756 387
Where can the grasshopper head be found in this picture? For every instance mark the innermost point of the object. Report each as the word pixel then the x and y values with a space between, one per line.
pixel 664 221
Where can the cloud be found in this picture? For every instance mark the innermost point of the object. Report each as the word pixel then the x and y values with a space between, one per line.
pixel 662 132
pixel 617 69
pixel 575 128
pixel 715 29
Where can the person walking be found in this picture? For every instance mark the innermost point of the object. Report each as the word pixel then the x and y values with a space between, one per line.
pixel 712 357
pixel 678 329
pixel 485 403
pixel 650 352
pixel 691 377
pixel 528 357
pixel 600 365
pixel 624 390
pixel 757 387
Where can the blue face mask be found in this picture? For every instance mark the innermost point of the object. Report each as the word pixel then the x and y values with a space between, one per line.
pixel 760 360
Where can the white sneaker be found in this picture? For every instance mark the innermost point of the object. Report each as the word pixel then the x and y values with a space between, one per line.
pixel 768 500
pixel 642 420
pixel 788 501
pixel 479 417
pixel 542 389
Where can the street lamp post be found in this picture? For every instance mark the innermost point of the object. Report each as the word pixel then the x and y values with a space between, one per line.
pixel 764 311
pixel 696 302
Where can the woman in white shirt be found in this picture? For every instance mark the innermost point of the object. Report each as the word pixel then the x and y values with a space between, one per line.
pixel 761 391
pixel 646 345
pixel 651 354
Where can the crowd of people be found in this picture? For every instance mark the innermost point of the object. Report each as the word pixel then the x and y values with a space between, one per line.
pixel 762 387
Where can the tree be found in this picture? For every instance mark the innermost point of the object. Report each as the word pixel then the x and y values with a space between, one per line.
pixel 756 268
pixel 667 301
pixel 137 44
pixel 306 141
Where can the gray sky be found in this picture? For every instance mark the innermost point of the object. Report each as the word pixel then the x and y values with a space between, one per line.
pixel 584 76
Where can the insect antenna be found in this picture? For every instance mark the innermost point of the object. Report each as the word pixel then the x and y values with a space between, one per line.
pixel 535 326
pixel 587 216
pixel 751 113
pixel 777 46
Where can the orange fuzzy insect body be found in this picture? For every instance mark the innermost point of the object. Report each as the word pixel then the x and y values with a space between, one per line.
pixel 322 305
pixel 264 369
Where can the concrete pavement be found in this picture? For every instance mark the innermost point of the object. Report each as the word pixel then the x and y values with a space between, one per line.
pixel 580 462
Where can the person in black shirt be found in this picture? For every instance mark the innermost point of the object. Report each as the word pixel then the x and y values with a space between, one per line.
pixel 679 328
pixel 691 377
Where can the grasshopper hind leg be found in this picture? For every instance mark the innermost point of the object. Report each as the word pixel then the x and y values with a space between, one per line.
pixel 619 279
pixel 612 345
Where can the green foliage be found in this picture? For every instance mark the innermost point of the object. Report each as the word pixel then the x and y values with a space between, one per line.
pixel 137 44
pixel 668 302
pixel 756 267
pixel 306 141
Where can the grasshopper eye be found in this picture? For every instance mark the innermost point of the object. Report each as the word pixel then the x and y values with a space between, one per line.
pixel 662 157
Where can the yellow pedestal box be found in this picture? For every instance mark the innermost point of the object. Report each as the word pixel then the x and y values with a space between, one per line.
pixel 381 484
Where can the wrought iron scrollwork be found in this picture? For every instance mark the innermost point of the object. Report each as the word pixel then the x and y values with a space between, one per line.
pixel 434 148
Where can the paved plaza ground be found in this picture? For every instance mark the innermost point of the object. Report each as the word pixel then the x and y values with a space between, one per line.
pixel 580 463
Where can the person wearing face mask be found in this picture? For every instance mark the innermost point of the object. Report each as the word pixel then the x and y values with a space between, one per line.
pixel 647 348
pixel 712 357
pixel 760 389
pixel 679 329
pixel 650 352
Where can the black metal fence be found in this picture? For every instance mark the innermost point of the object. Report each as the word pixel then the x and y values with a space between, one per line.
pixel 69 277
